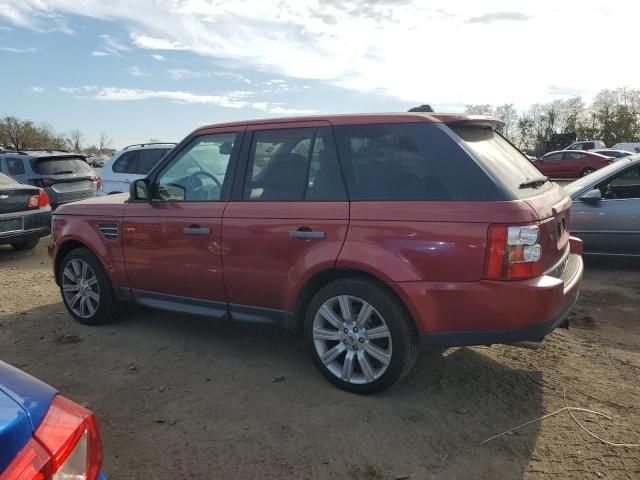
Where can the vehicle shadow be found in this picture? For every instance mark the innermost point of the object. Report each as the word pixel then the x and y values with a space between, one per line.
pixel 245 401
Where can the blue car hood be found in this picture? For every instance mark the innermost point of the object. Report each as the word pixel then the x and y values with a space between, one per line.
pixel 24 401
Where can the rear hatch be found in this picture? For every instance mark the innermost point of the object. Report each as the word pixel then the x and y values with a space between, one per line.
pixel 15 197
pixel 64 174
pixel 521 180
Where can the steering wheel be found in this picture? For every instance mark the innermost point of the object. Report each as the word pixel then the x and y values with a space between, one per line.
pixel 203 190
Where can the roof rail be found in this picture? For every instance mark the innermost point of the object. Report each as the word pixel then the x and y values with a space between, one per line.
pixel 150 143
pixel 16 152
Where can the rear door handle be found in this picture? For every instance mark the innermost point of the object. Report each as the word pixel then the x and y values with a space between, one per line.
pixel 196 230
pixel 306 234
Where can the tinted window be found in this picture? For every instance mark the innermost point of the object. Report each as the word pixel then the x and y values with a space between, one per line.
pixel 15 166
pixel 126 163
pixel 588 146
pixel 382 162
pixel 624 186
pixel 553 156
pixel 199 171
pixel 293 164
pixel 573 156
pixel 61 166
pixel 147 159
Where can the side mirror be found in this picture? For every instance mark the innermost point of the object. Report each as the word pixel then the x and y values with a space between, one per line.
pixel 140 190
pixel 592 196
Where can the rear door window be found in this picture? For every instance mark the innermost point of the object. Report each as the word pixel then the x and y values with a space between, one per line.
pixel 61 166
pixel 15 166
pixel 127 163
pixel 573 156
pixel 147 159
pixel 293 164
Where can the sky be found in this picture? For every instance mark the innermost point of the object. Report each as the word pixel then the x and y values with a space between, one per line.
pixel 138 69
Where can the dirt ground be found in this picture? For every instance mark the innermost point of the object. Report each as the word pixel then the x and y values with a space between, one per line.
pixel 182 397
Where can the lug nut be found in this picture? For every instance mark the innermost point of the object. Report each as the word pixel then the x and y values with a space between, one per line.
pixel 355 329
pixel 346 330
pixel 361 340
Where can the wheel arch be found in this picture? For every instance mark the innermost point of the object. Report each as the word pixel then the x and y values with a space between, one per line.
pixel 63 250
pixel 321 279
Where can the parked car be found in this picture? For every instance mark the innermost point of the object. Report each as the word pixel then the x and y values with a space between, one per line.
pixel 43 435
pixel 631 147
pixel 606 207
pixel 609 152
pixel 571 164
pixel 66 177
pixel 129 164
pixel 25 214
pixel 96 162
pixel 587 145
pixel 373 233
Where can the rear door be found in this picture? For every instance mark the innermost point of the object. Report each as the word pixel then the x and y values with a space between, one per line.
pixel 287 220
pixel 572 165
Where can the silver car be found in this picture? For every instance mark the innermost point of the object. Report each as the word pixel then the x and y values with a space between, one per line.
pixel 606 208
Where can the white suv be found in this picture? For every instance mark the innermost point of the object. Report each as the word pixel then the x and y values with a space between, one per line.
pixel 130 164
pixel 588 145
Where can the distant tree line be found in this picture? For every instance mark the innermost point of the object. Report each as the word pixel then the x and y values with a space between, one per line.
pixel 18 134
pixel 613 116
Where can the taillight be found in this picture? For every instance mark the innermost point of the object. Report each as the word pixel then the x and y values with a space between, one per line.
pixel 66 445
pixel 513 252
pixel 97 180
pixel 38 201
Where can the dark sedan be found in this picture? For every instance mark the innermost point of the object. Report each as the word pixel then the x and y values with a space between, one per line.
pixel 606 209
pixel 25 214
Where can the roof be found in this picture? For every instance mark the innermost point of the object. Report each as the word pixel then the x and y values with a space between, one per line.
pixel 588 152
pixel 370 118
pixel 43 153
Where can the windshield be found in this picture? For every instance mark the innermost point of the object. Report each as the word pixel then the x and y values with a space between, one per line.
pixel 61 166
pixel 504 161
pixel 599 175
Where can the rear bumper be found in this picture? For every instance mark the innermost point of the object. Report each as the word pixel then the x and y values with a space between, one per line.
pixel 488 312
pixel 36 224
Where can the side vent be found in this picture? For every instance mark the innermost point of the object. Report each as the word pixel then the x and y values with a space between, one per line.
pixel 109 231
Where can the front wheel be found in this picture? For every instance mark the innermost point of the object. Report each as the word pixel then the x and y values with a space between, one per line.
pixel 86 289
pixel 362 339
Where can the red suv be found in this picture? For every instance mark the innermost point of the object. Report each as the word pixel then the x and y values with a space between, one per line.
pixel 372 233
pixel 571 163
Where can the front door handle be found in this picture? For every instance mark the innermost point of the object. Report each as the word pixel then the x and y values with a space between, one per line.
pixel 195 230
pixel 306 234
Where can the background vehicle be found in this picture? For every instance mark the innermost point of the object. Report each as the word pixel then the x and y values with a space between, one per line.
pixel 439 231
pixel 25 214
pixel 587 145
pixel 609 152
pixel 44 435
pixel 129 164
pixel 571 163
pixel 66 177
pixel 631 147
pixel 606 209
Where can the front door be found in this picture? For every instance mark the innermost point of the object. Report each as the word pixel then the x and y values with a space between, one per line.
pixel 172 243
pixel 611 225
pixel 288 219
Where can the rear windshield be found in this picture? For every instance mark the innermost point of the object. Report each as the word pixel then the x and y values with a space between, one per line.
pixel 61 166
pixel 502 160
pixel 4 180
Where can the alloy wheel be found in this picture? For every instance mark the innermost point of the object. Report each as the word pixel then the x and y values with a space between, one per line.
pixel 80 288
pixel 352 339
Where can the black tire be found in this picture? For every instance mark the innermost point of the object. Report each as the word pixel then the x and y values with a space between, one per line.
pixel 587 171
pixel 405 344
pixel 108 307
pixel 27 245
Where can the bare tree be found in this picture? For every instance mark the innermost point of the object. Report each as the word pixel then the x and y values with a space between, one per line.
pixel 105 143
pixel 18 134
pixel 75 140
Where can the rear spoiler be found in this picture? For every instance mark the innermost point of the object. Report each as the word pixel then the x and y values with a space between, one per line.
pixel 482 121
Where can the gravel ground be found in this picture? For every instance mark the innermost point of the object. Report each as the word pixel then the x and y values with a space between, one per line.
pixel 181 397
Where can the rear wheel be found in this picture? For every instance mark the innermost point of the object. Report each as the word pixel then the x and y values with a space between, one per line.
pixel 587 171
pixel 28 245
pixel 361 337
pixel 86 289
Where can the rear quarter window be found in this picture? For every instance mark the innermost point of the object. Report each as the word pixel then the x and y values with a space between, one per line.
pixel 15 166
pixel 60 166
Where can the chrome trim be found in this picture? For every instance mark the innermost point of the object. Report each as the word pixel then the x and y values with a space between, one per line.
pixel 550 272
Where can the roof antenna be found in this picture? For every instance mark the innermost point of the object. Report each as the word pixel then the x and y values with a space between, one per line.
pixel 422 108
